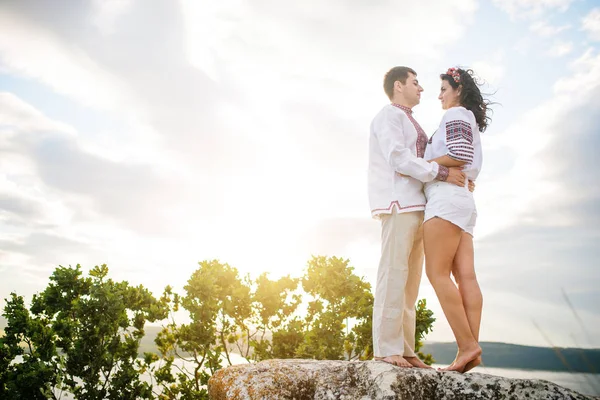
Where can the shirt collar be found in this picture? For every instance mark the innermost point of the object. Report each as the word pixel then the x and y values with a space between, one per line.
pixel 404 108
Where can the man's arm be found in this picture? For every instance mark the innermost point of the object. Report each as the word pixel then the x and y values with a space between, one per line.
pixel 455 174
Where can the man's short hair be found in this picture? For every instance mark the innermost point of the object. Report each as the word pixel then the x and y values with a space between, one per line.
pixel 393 75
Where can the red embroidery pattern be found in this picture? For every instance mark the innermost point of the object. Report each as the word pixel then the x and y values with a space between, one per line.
pixel 459 129
pixel 442 173
pixel 421 136
pixel 459 140
pixel 397 204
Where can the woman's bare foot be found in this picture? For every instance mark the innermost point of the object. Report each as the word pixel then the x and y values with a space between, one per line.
pixel 472 364
pixel 394 360
pixel 463 358
pixel 416 362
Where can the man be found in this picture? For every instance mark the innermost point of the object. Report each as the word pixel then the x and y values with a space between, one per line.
pixel 397 171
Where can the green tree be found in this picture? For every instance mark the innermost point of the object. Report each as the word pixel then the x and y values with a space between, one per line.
pixel 338 298
pixel 425 322
pixel 219 305
pixel 80 335
pixel 31 340
pixel 338 321
pixel 273 305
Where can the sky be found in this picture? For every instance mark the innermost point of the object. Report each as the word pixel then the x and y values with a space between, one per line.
pixel 150 135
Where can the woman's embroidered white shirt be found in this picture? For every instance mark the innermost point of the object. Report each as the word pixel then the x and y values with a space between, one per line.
pixel 458 137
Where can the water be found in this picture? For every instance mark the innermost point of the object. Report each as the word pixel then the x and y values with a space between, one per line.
pixel 583 383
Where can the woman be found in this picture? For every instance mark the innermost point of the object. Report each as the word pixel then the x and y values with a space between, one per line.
pixel 450 213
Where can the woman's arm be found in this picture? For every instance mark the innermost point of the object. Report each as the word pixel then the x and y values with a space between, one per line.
pixel 448 161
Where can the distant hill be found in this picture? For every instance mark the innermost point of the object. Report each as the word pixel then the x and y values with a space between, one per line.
pixel 504 355
pixel 147 344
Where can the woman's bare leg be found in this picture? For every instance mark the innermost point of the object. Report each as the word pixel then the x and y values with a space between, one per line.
pixel 441 241
pixel 463 270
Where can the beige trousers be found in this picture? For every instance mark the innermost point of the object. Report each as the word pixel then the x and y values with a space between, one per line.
pixel 398 280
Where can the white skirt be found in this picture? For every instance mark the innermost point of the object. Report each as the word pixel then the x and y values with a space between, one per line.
pixel 452 203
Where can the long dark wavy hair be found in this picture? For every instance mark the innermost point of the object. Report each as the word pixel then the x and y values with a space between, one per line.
pixel 470 95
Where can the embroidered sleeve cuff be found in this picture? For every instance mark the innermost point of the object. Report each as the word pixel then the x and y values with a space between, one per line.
pixel 442 173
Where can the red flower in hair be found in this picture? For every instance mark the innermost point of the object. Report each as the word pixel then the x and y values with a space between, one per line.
pixel 453 72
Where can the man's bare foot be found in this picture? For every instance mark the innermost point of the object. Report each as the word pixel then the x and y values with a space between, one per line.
pixel 463 358
pixel 472 364
pixel 416 362
pixel 394 360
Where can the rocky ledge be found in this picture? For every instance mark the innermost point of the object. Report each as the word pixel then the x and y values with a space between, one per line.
pixel 325 380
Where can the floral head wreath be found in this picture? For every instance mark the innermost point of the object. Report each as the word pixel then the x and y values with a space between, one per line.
pixel 453 72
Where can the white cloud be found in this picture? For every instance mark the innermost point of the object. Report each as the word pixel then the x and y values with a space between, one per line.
pixel 23 199
pixel 591 24
pixel 492 70
pixel 512 198
pixel 267 45
pixel 209 24
pixel 523 45
pixel 106 13
pixel 37 223
pixel 530 9
pixel 560 49
pixel 44 166
pixel 61 205
pixel 32 51
pixel 15 112
pixel 542 28
pixel 583 82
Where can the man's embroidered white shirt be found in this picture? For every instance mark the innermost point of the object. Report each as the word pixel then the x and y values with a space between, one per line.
pixel 396 167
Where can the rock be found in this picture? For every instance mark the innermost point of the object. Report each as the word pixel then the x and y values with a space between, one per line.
pixel 324 380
